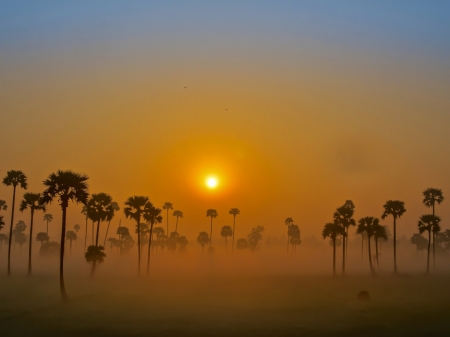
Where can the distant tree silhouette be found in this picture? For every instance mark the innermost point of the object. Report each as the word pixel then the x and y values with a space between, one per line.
pixel 396 208
pixel 48 218
pixel 158 231
pixel 288 222
pixel 143 230
pixel 431 197
pixel 135 208
pixel 379 232
pixel 3 237
pixel 162 241
pixel 114 207
pixel 18 233
pixel 242 244
pixel 226 232
pixel 94 256
pixel 84 211
pixel 203 239
pixel 429 223
pixel 344 217
pixel 31 201
pixel 122 232
pixel 76 228
pixel 127 243
pixel 178 214
pixel 367 224
pixel 172 242
pixel 294 234
pixel 113 243
pixel 333 230
pixel 167 206
pixel 419 241
pixel 234 212
pixel 153 216
pixel 50 249
pixel 212 213
pixel 3 205
pixel 42 237
pixel 66 186
pixel 443 239
pixel 71 235
pixel 13 178
pixel 182 243
pixel 255 237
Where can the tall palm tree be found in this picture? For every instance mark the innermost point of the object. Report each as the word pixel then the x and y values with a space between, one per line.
pixel 114 207
pixel 432 196
pixel 153 216
pixel 134 209
pixel 396 208
pixel 167 206
pixel 288 222
pixel 48 218
pixel 178 214
pixel 31 201
pixel 13 178
pixel 333 230
pixel 379 232
pixel 226 232
pixel 66 186
pixel 429 223
pixel 234 212
pixel 344 216
pixel 212 213
pixel 84 211
pixel 367 225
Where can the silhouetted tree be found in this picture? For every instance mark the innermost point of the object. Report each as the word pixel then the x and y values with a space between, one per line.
pixel 255 237
pixel 127 243
pixel 114 207
pixel 143 230
pixel 429 223
pixel 242 244
pixel 167 206
pixel 13 178
pixel 294 234
pixel 212 213
pixel 134 209
pixel 396 208
pixel 333 230
pixel 158 231
pixel 48 218
pixel 114 243
pixel 433 196
pixel 84 211
pixel 172 242
pixel 94 256
pixel 18 233
pixel 226 232
pixel 50 249
pixel 162 241
pixel 203 239
pixel 122 232
pixel 76 228
pixel 178 214
pixel 153 216
pixel 3 237
pixel 71 235
pixel 182 243
pixel 31 201
pixel 379 232
pixel 420 242
pixel 288 223
pixel 234 212
pixel 42 237
pixel 3 206
pixel 367 225
pixel 66 186
pixel 344 216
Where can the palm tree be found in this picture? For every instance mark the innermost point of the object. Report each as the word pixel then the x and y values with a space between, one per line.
pixel 242 244
pixel 66 186
pixel 344 216
pixel 226 232
pixel 14 178
pixel 99 208
pixel 203 239
pixel 379 232
pixel 333 230
pixel 114 207
pixel 152 215
pixel 367 225
pixel 294 233
pixel 433 196
pixel 122 232
pixel 419 241
pixel 134 209
pixel 178 214
pixel 3 206
pixel 94 255
pixel 255 237
pixel 158 231
pixel 396 208
pixel 167 206
pixel 212 213
pixel 31 201
pixel 3 237
pixel 42 237
pixel 84 211
pixel 48 218
pixel 288 223
pixel 429 223
pixel 76 228
pixel 182 243
pixel 234 212
pixel 71 235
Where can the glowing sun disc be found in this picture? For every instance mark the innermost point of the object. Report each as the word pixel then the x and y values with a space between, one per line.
pixel 212 182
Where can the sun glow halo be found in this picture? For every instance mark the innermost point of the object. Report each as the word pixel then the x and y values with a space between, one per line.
pixel 212 182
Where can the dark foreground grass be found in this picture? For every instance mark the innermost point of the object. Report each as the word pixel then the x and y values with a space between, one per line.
pixel 226 306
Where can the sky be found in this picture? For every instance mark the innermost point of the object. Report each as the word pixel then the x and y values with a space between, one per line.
pixel 294 106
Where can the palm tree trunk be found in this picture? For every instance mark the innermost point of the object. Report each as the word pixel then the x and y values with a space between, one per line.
pixel 62 287
pixel 85 234
pixel 234 225
pixel 376 252
pixel 167 221
pixel 370 255
pixel 70 245
pixel 334 257
pixel 47 227
pixel 106 235
pixel 210 236
pixel 395 246
pixel 226 243
pixel 176 226
pixel 434 250
pixel 362 246
pixel 29 247
pixel 428 256
pixel 139 247
pixel 98 232
pixel 149 248
pixel 92 241
pixel 343 254
pixel 10 231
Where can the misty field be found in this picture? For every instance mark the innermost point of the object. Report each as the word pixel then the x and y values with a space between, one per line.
pixel 210 302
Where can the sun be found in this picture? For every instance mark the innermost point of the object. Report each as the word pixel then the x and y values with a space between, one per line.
pixel 212 182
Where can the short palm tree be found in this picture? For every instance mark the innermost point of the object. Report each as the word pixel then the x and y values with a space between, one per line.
pixel 288 222
pixel 429 223
pixel 178 214
pixel 431 197
pixel 396 208
pixel 167 206
pixel 226 232
pixel 48 218
pixel 14 178
pixel 42 237
pixel 76 228
pixel 112 209
pixel 234 212
pixel 203 239
pixel 31 201
pixel 3 237
pixel 153 216
pixel 66 186
pixel 71 235
pixel 242 244
pixel 379 232
pixel 94 255
pixel 344 216
pixel 212 213
pixel 333 230
pixel 134 209
pixel 367 225
pixel 98 209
